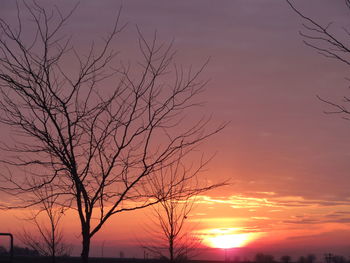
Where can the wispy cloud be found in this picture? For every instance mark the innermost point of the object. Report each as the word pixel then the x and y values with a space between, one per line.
pixel 260 217
pixel 286 214
pixel 271 200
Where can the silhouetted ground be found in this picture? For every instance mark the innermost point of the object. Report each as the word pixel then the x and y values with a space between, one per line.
pixel 34 259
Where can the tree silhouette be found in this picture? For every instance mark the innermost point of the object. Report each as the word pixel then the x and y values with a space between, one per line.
pixel 47 237
pixel 176 189
pixel 330 43
pixel 97 134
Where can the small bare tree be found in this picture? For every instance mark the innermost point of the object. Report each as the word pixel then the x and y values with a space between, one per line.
pixel 47 236
pixel 176 189
pixel 98 135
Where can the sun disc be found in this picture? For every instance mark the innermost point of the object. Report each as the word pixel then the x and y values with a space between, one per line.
pixel 228 241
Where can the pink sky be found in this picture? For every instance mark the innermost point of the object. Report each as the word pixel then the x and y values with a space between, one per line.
pixel 286 159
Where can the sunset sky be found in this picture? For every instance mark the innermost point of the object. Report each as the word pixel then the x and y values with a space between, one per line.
pixel 287 161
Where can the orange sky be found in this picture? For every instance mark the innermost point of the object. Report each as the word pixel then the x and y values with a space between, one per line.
pixel 287 161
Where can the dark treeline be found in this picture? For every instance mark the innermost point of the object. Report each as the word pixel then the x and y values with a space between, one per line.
pixel 310 258
pixel 27 255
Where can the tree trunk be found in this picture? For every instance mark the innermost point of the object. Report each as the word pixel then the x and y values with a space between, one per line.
pixel 53 241
pixel 171 249
pixel 86 247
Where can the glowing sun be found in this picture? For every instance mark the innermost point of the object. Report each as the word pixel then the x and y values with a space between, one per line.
pixel 226 238
pixel 229 241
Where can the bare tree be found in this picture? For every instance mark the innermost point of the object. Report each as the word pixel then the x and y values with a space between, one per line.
pixel 99 145
pixel 176 189
pixel 47 237
pixel 330 43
